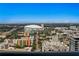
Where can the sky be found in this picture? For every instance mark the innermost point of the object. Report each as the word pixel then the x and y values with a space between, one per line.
pixel 39 13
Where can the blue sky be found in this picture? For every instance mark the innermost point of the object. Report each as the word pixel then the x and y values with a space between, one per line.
pixel 36 13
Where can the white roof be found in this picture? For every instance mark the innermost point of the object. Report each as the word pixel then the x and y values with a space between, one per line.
pixel 33 26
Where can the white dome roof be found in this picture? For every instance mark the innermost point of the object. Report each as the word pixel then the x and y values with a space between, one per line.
pixel 33 26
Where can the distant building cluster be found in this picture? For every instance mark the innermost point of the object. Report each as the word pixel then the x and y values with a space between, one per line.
pixel 39 38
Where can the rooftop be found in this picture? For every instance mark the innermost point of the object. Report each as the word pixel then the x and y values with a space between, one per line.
pixel 33 26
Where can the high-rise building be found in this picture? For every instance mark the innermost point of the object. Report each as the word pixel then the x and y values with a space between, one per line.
pixel 74 44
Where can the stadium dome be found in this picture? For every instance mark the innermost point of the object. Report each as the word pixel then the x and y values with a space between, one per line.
pixel 33 26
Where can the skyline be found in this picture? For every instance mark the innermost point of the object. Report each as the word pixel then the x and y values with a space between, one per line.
pixel 39 13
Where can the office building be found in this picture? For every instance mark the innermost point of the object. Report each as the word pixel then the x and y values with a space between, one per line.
pixel 74 44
